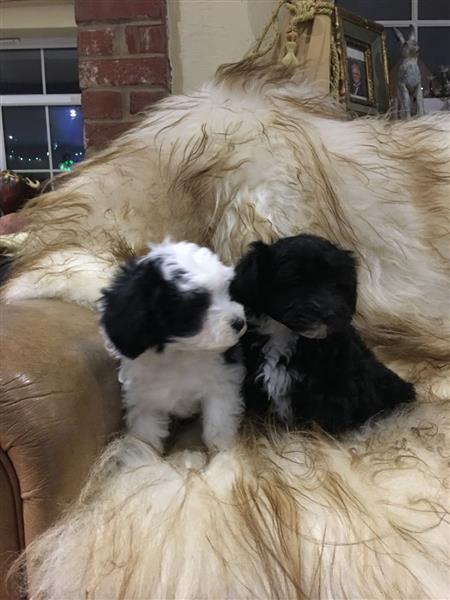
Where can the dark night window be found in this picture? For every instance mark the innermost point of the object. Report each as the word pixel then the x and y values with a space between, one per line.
pixel 41 123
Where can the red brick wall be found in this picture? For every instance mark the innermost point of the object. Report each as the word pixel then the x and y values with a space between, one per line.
pixel 124 64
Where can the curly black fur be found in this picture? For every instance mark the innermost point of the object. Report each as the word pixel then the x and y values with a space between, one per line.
pixel 305 361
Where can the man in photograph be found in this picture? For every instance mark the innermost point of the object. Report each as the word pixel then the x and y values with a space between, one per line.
pixel 357 79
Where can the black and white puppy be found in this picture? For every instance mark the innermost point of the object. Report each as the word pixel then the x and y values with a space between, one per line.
pixel 305 361
pixel 170 318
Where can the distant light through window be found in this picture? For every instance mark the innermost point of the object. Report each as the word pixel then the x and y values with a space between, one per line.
pixel 41 122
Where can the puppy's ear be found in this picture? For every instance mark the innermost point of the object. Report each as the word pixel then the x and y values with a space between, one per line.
pixel 131 309
pixel 352 278
pixel 246 286
pixel 352 260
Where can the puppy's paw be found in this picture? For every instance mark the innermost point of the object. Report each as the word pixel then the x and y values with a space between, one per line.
pixel 151 427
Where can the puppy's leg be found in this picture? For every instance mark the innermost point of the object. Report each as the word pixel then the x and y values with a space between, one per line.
pixel 151 426
pixel 282 407
pixel 222 412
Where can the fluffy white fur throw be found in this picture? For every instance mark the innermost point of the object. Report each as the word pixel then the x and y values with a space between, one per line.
pixel 295 517
pixel 257 154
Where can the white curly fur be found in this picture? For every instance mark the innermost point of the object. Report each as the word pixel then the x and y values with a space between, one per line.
pixel 191 374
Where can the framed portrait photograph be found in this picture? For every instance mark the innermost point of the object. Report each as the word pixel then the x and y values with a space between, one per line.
pixel 361 49
pixel 359 75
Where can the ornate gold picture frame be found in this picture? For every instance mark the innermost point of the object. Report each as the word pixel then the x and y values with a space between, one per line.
pixel 364 78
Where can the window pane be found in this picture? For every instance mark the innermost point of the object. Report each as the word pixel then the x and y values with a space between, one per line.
pixel 66 131
pixel 25 137
pixel 379 10
pixel 61 71
pixel 434 45
pixel 434 9
pixel 20 72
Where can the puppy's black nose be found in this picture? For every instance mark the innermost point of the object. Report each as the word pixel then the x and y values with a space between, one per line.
pixel 238 324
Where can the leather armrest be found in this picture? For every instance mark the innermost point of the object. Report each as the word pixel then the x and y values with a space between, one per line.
pixel 59 403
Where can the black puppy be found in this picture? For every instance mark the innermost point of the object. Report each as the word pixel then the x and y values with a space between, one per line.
pixel 305 361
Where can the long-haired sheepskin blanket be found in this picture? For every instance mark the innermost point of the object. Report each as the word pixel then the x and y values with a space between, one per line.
pixel 299 516
pixel 256 153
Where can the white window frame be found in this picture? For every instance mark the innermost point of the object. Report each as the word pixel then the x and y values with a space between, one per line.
pixel 44 99
pixel 415 21
pixel 431 104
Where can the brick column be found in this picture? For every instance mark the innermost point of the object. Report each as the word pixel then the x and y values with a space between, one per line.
pixel 124 66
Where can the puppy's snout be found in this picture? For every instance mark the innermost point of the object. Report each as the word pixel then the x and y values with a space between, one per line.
pixel 238 325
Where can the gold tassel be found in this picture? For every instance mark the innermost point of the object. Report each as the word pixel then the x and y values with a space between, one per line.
pixel 290 58
pixel 301 11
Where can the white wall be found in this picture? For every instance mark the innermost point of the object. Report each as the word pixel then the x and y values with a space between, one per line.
pixel 206 33
pixel 37 18
pixel 202 33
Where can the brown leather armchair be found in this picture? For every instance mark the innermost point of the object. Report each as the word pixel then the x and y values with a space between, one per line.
pixel 59 404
